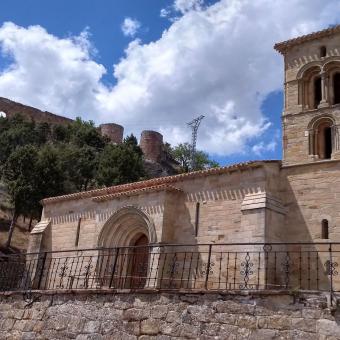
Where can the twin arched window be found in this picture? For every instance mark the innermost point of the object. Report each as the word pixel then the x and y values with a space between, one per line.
pixel 320 86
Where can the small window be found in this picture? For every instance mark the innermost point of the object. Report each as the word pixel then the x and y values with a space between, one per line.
pixel 76 243
pixel 324 231
pixel 3 114
pixel 323 51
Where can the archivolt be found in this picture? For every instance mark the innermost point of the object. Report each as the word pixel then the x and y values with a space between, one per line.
pixel 125 226
pixel 313 124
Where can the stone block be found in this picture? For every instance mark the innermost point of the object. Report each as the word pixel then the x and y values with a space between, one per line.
pixel 263 334
pixel 307 325
pixel 91 327
pixel 159 312
pixel 150 326
pixel 327 327
pixel 189 331
pixel 280 322
pixel 134 314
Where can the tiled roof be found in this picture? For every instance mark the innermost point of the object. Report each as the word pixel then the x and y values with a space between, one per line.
pixel 282 47
pixel 155 182
pixel 155 188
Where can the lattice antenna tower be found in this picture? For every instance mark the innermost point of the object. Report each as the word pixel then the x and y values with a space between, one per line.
pixel 194 124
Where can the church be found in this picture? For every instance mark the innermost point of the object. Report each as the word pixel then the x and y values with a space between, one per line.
pixel 257 202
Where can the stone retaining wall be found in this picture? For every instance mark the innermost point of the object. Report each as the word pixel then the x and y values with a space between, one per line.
pixel 166 316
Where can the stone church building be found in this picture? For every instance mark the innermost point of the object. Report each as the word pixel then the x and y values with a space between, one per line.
pixel 293 200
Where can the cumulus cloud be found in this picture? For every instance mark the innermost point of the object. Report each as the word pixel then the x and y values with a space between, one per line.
pixel 130 27
pixel 215 60
pixel 50 73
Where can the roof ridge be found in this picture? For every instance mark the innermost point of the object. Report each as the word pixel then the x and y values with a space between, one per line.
pixel 166 187
pixel 284 45
pixel 152 182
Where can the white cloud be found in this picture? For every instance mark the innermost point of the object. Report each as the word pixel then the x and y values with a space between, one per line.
pixel 165 13
pixel 50 73
pixel 184 6
pixel 262 148
pixel 217 61
pixel 130 27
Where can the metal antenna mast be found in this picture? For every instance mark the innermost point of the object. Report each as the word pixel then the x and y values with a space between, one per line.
pixel 194 124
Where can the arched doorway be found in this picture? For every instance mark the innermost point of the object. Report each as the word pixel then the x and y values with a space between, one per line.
pixel 139 262
pixel 124 258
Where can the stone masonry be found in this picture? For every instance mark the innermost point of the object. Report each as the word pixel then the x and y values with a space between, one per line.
pixel 98 316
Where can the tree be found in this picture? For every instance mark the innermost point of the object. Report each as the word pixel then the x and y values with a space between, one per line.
pixel 182 154
pixel 21 179
pixel 85 133
pixel 79 165
pixel 42 160
pixel 120 164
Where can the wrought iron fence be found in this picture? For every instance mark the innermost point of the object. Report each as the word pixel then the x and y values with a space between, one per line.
pixel 220 267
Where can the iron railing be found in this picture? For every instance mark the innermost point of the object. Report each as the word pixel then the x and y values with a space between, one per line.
pixel 219 267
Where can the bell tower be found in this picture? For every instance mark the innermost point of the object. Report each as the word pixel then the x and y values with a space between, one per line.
pixel 311 116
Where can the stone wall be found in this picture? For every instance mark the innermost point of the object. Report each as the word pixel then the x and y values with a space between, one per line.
pixel 11 108
pixel 167 316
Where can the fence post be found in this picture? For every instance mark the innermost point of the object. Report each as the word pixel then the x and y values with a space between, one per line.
pixel 41 274
pixel 114 267
pixel 331 268
pixel 208 267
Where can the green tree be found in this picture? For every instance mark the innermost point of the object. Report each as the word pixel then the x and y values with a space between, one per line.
pixel 119 164
pixel 79 165
pixel 182 154
pixel 85 133
pixel 32 174
pixel 21 178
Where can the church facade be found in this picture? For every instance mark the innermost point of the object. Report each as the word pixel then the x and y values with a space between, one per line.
pixel 293 200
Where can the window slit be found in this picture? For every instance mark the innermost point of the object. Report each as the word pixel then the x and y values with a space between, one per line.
pixel 78 232
pixel 197 216
pixel 325 230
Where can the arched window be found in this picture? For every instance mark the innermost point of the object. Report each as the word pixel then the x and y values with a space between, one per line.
pixel 336 88
pixel 317 92
pixel 310 94
pixel 324 229
pixel 324 140
pixel 321 130
pixel 3 114
pixel 323 51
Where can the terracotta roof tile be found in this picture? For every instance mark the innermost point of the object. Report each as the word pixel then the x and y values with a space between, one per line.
pixel 155 188
pixel 282 47
pixel 125 188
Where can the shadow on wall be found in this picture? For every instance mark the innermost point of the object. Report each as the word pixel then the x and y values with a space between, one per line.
pixel 309 265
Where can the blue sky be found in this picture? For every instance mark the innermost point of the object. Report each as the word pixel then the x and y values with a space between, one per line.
pixel 202 57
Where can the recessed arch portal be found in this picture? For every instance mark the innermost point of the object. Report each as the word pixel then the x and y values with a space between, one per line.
pixel 125 226
pixel 125 240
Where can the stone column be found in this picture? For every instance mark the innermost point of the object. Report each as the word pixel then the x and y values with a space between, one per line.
pixel 335 142
pixel 311 142
pixel 324 87
pixel 316 145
